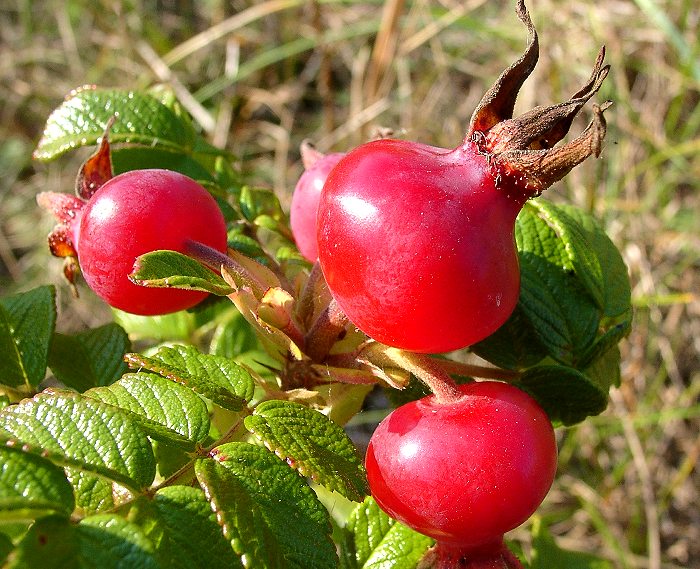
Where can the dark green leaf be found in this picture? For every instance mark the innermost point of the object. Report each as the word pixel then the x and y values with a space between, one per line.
pixel 108 541
pixel 191 536
pixel 223 381
pixel 567 395
pixel 141 119
pixel 164 409
pixel 373 540
pixel 27 322
pixel 6 547
pixel 31 485
pixel 170 269
pixel 142 157
pixel 312 443
pixel 91 358
pixel 514 345
pixel 266 509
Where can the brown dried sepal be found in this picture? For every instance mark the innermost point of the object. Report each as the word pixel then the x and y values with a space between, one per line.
pixel 97 169
pixel 524 146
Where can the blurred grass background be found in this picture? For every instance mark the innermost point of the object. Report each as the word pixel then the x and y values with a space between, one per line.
pixel 259 77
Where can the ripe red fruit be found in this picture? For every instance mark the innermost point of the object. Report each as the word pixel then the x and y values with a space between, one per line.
pixel 129 215
pixel 467 471
pixel 304 207
pixel 416 242
pixel 138 212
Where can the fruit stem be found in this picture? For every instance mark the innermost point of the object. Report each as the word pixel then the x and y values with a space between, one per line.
pixel 325 332
pixel 490 556
pixel 423 366
pixel 471 370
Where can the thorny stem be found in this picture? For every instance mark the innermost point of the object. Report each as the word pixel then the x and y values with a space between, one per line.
pixel 423 366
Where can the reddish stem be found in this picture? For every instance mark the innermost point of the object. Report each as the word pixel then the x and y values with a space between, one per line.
pixel 491 556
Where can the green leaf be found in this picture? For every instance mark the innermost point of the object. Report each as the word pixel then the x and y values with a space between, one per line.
pixel 165 410
pixel 50 543
pixel 514 345
pixel 27 322
pixel 563 315
pixel 140 119
pixel 108 541
pixel 31 485
pixel 616 293
pixel 580 253
pixel 6 547
pixel 267 511
pixel 90 358
pixel 257 202
pixel 84 434
pixel 312 443
pixel 174 327
pixel 170 269
pixel 546 554
pixel 217 378
pixel 141 158
pixel 567 395
pixel 373 540
pixel 605 370
pixel 191 538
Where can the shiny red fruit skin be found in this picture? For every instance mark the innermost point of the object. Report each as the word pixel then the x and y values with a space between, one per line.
pixel 137 212
pixel 416 244
pixel 304 207
pixel 466 472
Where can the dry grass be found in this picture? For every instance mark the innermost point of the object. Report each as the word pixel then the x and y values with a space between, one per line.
pixel 261 76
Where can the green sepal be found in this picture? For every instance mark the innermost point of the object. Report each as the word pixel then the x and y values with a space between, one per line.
pixel 170 269
pixel 267 511
pixel 90 358
pixel 373 540
pixel 311 443
pixel 215 377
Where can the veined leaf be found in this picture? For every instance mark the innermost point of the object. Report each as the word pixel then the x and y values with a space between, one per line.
pixel 267 511
pixel 578 250
pixel 217 378
pixel 50 543
pixel 31 485
pixel 190 537
pixel 81 433
pixel 91 358
pixel 373 540
pixel 563 315
pixel 108 541
pixel 566 394
pixel 27 322
pixel 141 119
pixel 170 269
pixel 312 443
pixel 164 409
